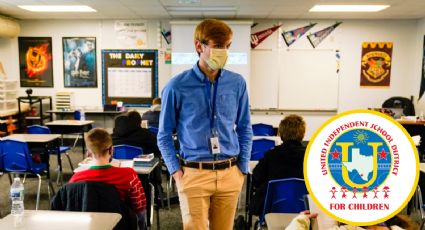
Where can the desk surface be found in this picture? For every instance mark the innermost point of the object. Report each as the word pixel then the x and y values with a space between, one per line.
pixel 64 220
pixel 251 166
pixel 411 122
pixel 117 163
pixel 34 138
pixel 422 167
pixel 279 221
pixel 70 122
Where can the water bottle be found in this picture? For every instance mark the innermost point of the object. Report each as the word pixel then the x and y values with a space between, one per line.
pixel 83 115
pixel 17 197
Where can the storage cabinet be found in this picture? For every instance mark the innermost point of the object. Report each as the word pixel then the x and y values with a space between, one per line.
pixel 64 101
pixel 8 105
pixel 8 95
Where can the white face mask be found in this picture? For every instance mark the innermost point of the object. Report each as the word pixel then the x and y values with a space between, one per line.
pixel 218 58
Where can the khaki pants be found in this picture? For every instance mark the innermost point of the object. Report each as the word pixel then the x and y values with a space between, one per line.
pixel 208 198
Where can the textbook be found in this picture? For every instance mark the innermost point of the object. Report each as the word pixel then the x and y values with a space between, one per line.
pixel 144 157
pixel 150 163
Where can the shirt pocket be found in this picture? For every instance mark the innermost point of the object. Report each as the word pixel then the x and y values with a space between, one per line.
pixel 227 106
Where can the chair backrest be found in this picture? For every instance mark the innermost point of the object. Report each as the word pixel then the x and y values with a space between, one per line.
pixel 284 196
pixel 1 154
pixel 153 130
pixel 259 147
pixel 126 151
pixel 400 102
pixel 38 129
pixel 261 129
pixel 16 156
pixel 94 197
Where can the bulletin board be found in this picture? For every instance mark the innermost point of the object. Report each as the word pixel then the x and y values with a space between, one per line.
pixel 130 76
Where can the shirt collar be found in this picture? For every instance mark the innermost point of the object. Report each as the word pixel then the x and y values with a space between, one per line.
pixel 201 76
pixel 101 166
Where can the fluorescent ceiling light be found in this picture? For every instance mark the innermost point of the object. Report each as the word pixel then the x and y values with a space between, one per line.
pixel 197 8
pixel 348 8
pixel 57 8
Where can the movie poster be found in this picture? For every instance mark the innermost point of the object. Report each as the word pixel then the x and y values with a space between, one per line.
pixel 376 64
pixel 35 61
pixel 79 62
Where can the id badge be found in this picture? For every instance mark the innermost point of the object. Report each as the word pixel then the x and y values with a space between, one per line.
pixel 214 145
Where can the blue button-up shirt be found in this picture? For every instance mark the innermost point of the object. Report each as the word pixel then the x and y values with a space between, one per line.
pixel 187 108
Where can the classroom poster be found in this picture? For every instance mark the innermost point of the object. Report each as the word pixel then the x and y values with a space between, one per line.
pixel 35 61
pixel 422 89
pixel 130 76
pixel 376 64
pixel 79 62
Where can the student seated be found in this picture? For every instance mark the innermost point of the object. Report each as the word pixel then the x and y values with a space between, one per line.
pixel 152 116
pixel 283 161
pixel 398 222
pixel 125 180
pixel 128 131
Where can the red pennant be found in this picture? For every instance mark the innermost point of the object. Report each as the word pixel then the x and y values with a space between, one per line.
pixel 258 37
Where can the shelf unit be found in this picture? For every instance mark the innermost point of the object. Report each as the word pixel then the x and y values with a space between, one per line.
pixel 8 95
pixel 64 101
pixel 8 104
pixel 34 116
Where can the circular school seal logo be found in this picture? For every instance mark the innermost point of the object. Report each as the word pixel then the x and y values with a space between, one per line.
pixel 361 167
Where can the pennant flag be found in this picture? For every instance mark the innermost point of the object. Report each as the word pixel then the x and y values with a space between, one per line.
pixel 422 90
pixel 166 35
pixel 317 37
pixel 291 36
pixel 258 37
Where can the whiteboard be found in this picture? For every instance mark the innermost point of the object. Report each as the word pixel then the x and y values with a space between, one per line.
pixel 308 80
pixel 264 79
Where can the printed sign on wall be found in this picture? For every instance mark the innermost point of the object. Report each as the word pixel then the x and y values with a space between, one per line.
pixel 376 64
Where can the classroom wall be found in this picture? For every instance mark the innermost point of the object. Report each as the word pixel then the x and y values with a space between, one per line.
pixel 407 36
pixel 103 30
pixel 348 38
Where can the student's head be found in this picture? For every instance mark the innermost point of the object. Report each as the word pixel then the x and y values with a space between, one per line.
pixel 135 118
pixel 156 101
pixel 213 37
pixel 292 127
pixel 99 142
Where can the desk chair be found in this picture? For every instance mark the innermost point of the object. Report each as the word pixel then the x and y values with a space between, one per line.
pixel 284 196
pixel 261 129
pixel 260 147
pixel 16 158
pixel 94 197
pixel 126 152
pixel 38 129
pixel 416 208
pixel 153 130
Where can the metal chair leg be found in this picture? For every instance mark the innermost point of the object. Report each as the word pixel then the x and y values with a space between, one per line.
pixel 152 202
pixel 38 192
pixel 70 162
